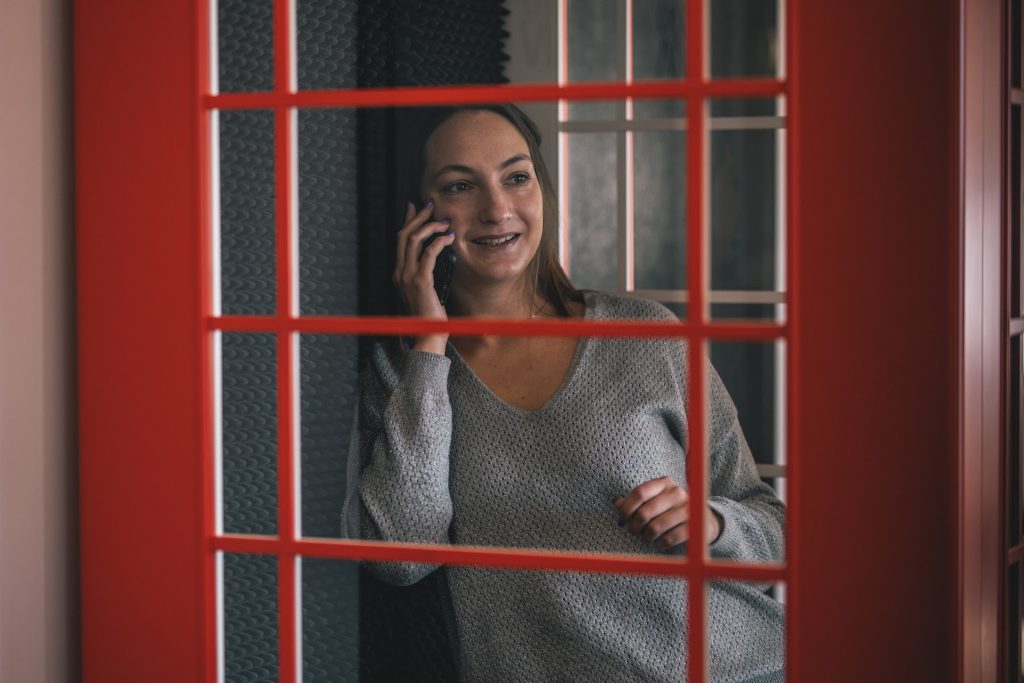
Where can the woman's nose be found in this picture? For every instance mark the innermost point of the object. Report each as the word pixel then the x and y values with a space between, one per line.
pixel 495 206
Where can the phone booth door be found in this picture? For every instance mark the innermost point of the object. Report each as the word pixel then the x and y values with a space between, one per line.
pixel 214 185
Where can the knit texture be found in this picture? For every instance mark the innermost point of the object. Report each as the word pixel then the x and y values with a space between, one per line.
pixel 440 459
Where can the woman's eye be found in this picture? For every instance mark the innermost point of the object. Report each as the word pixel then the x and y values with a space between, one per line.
pixel 456 187
pixel 519 178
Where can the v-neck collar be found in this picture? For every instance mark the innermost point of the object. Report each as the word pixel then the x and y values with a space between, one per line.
pixel 582 344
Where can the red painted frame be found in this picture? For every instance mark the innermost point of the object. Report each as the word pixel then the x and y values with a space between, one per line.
pixel 287 322
pixel 146 509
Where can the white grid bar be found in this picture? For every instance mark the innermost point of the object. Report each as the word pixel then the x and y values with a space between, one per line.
pixel 298 618
pixel 296 410
pixel 214 47
pixel 215 247
pixel 217 382
pixel 293 203
pixel 219 572
pixel 563 139
pixel 624 149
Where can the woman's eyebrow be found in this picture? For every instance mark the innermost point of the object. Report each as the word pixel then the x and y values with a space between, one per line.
pixel 459 168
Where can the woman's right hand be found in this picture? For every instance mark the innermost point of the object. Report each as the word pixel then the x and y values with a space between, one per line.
pixel 414 271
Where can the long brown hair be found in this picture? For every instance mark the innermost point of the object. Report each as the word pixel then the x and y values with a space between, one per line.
pixel 546 275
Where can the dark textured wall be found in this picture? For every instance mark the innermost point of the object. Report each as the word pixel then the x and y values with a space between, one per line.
pixel 352 626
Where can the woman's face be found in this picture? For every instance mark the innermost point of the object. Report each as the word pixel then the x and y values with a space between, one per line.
pixel 479 174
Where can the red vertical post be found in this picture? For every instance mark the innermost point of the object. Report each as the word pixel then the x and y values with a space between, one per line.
pixel 284 149
pixel 138 353
pixel 696 413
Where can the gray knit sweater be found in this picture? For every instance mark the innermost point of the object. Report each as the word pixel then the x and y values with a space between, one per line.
pixel 441 459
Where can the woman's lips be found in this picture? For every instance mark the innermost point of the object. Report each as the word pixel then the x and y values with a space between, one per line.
pixel 497 241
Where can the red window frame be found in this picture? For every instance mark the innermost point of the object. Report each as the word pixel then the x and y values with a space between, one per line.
pixel 287 546
pixel 696 88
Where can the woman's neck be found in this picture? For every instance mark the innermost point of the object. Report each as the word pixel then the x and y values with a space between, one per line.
pixel 512 301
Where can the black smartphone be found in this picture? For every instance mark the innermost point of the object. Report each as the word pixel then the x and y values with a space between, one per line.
pixel 444 269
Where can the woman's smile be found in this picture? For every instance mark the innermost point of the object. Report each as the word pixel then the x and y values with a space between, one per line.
pixel 498 241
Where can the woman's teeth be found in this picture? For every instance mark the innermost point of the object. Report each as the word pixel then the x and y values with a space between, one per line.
pixel 495 241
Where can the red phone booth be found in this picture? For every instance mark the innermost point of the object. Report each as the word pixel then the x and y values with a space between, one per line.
pixel 892 336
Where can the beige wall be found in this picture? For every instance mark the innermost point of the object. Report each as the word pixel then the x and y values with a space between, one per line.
pixel 38 508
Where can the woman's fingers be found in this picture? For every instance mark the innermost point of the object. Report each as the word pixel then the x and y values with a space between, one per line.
pixel 416 262
pixel 675 536
pixel 430 252
pixel 663 523
pixel 658 512
pixel 632 501
pixel 413 221
pixel 668 499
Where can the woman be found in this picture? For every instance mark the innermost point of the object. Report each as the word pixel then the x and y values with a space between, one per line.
pixel 547 442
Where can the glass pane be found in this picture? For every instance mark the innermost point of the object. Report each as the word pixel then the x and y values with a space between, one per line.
pixel 250 618
pixel 327 41
pixel 593 210
pixel 329 190
pixel 379 44
pixel 746 485
pixel 247 212
pixel 352 194
pixel 659 201
pixel 405 632
pixel 750 373
pixel 330 621
pixel 747 312
pixel 745 39
pixel 745 194
pixel 600 110
pixel 659 33
pixel 249 433
pixel 593 45
pixel 593 40
pixel 680 310
pixel 746 635
pixel 615 110
pixel 329 371
pixel 245 45
pixel 739 106
pixel 659 109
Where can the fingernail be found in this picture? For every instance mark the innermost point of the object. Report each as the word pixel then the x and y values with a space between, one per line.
pixel 449 234
pixel 430 203
pixel 446 221
pixel 621 521
pixel 410 205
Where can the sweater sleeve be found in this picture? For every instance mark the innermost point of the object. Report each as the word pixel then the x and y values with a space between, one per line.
pixel 752 515
pixel 753 529
pixel 398 463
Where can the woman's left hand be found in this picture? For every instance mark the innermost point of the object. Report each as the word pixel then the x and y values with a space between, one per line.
pixel 657 511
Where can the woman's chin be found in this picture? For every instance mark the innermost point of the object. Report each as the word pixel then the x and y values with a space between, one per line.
pixel 476 279
pixel 493 271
